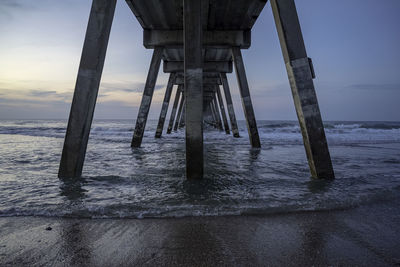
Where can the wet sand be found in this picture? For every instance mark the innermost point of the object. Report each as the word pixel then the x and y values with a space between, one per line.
pixel 367 236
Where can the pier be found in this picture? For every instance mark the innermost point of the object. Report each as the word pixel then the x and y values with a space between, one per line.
pixel 198 42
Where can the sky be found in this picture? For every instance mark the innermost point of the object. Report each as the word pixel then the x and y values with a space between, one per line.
pixel 354 46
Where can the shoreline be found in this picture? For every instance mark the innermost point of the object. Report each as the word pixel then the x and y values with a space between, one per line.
pixel 367 235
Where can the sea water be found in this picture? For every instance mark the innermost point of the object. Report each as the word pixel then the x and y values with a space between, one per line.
pixel 121 182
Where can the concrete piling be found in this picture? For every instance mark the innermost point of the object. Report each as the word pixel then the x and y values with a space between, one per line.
pixel 246 99
pixel 174 108
pixel 300 73
pixel 86 88
pixel 229 105
pixel 208 117
pixel 179 115
pixel 212 111
pixel 147 97
pixel 217 112
pixel 164 107
pixel 222 108
pixel 194 62
pixel 193 66
pixel 182 119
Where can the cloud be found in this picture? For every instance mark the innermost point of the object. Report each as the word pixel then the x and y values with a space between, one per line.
pixel 34 96
pixel 29 103
pixel 10 4
pixel 37 93
pixel 26 99
pixel 128 93
pixel 126 87
pixel 367 86
pixel 7 8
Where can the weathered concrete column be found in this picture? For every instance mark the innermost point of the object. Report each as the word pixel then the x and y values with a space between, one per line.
pixel 217 113
pixel 174 108
pixel 246 99
pixel 86 88
pixel 193 65
pixel 147 97
pixel 182 119
pixel 222 108
pixel 164 108
pixel 301 75
pixel 229 105
pixel 212 111
pixel 178 117
pixel 208 117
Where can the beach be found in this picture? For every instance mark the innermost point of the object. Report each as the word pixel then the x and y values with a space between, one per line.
pixel 362 236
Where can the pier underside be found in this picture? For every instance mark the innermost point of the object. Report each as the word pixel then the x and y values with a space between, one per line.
pixel 198 43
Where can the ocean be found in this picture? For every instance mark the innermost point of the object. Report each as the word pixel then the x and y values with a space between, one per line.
pixel 121 182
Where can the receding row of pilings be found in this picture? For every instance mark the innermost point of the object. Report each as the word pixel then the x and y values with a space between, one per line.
pixel 208 102
pixel 213 105
pixel 196 104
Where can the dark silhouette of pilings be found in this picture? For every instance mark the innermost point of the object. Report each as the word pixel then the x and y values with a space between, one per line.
pixel 229 105
pixel 246 99
pixel 222 108
pixel 86 88
pixel 179 115
pixel 164 107
pixel 193 66
pixel 174 108
pixel 301 73
pixel 198 43
pixel 147 97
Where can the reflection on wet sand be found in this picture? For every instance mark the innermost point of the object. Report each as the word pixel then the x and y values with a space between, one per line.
pixel 75 246
pixel 297 239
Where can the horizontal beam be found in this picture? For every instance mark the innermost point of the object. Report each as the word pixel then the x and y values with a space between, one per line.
pixel 210 88
pixel 208 66
pixel 206 80
pixel 214 39
pixel 208 94
pixel 205 75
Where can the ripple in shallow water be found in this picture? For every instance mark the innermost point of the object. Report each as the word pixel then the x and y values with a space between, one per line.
pixel 149 182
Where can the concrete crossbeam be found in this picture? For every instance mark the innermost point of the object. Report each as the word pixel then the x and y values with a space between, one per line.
pixel 208 66
pixel 208 93
pixel 213 39
pixel 206 80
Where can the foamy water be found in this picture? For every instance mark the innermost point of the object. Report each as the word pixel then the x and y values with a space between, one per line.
pixel 119 181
